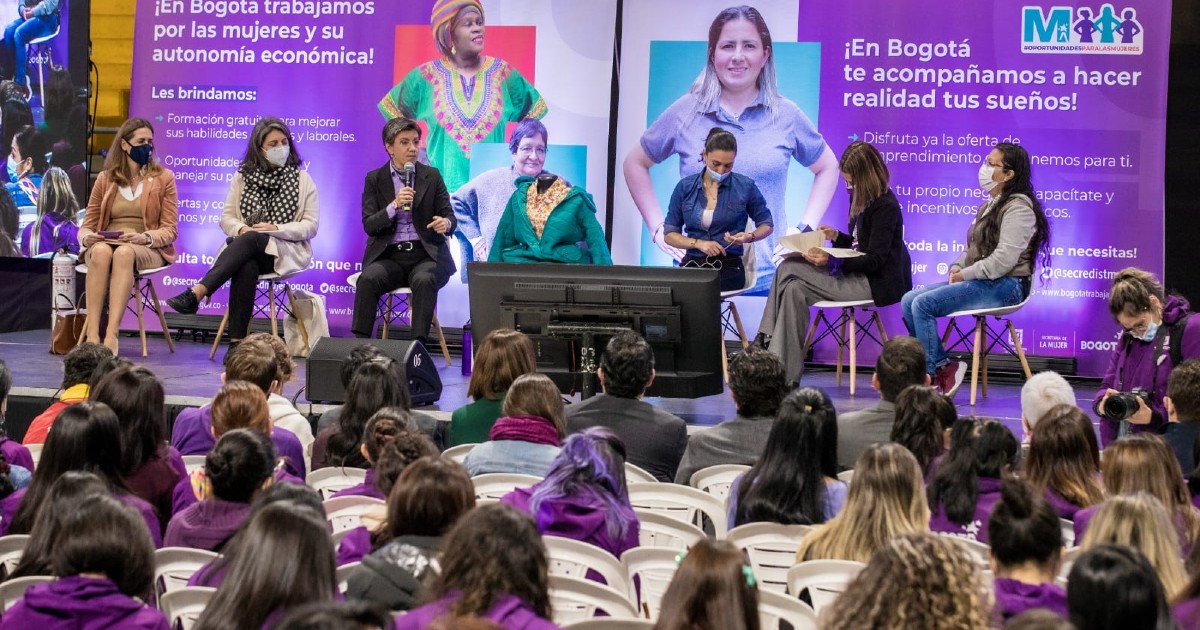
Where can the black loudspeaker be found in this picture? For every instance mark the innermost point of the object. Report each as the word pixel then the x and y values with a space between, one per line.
pixel 324 381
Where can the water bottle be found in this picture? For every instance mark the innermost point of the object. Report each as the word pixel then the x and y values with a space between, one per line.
pixel 62 282
pixel 466 349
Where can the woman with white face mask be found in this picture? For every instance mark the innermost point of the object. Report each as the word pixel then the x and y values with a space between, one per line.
pixel 1005 242
pixel 270 216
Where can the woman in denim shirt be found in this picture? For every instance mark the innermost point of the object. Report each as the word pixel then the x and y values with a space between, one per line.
pixel 709 211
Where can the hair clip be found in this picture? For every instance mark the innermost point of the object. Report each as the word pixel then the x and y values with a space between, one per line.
pixel 679 557
pixel 748 573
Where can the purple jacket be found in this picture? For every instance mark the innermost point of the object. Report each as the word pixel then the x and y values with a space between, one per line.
pixel 509 613
pixel 355 546
pixel 192 435
pixel 54 234
pixel 365 489
pixel 154 481
pixel 1187 614
pixel 206 525
pixel 1135 360
pixel 977 528
pixel 16 453
pixel 79 603
pixel 579 517
pixel 1014 598
pixel 10 504
pixel 1062 507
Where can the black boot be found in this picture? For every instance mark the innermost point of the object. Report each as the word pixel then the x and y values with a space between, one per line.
pixel 185 303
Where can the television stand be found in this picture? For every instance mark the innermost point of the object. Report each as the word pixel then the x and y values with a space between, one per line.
pixel 586 335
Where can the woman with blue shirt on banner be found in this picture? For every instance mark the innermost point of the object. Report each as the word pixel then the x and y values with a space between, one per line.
pixel 708 213
pixel 737 91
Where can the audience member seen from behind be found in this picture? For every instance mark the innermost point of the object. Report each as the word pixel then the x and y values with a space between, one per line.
pixel 86 437
pixel 503 355
pixel 1182 404
pixel 14 452
pixel 286 561
pixel 1142 360
pixel 1039 394
pixel 1027 550
pixel 900 364
pixel 713 589
pixel 924 418
pixel 494 566
pixel 1138 520
pixel 78 366
pixel 916 581
pixel 376 384
pixel 347 615
pixel 359 355
pixel 150 467
pixel 757 385
pixel 1144 463
pixel 584 496
pixel 236 470
pixel 795 481
pixel 283 413
pixel 529 436
pixel 382 427
pixel 430 496
pixel 654 439
pixel 1063 463
pixel 1113 587
pixel 104 562
pixel 967 484
pixel 66 495
pixel 56 226
pixel 886 499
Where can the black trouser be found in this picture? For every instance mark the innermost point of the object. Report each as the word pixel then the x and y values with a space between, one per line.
pixel 732 274
pixel 412 268
pixel 240 264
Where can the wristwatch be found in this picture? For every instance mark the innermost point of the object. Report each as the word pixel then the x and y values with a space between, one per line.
pixel 149 239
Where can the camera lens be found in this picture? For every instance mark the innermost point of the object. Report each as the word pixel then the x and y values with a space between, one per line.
pixel 1120 406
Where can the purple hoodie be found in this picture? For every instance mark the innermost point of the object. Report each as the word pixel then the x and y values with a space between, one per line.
pixel 1187 614
pixel 206 525
pixel 579 517
pixel 192 435
pixel 16 453
pixel 977 528
pixel 1062 507
pixel 79 603
pixel 509 613
pixel 10 504
pixel 365 489
pixel 1014 598
pixel 354 546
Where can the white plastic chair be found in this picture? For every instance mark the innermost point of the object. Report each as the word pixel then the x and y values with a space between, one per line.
pixel 496 485
pixel 772 550
pixel 1068 561
pixel 182 607
pixel 397 309
pixel 573 599
pixel 608 623
pixel 846 331
pixel 280 297
pixel 35 451
pixel 824 580
pixel 12 547
pixel 634 474
pixel 653 568
pixel 1068 533
pixel 659 530
pixel 980 552
pixel 985 339
pixel 193 462
pixel 573 558
pixel 682 502
pixel 174 566
pixel 458 453
pixel 343 575
pixel 774 608
pixel 147 297
pixel 13 590
pixel 345 513
pixel 716 480
pixel 846 476
pixel 327 481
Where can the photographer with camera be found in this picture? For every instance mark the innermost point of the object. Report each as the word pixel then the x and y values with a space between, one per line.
pixel 1157 336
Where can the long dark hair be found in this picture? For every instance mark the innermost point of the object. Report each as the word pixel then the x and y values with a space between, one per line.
pixel 979 448
pixel 1024 528
pixel 1114 587
pixel 239 464
pixel 136 395
pixel 787 484
pixel 86 437
pixel 922 417
pixel 711 589
pixel 1016 161
pixel 108 537
pixel 254 160
pixel 65 496
pixel 376 384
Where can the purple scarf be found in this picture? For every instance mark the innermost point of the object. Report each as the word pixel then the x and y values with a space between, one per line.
pixel 525 429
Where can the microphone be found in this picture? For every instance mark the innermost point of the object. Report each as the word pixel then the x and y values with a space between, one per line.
pixel 409 175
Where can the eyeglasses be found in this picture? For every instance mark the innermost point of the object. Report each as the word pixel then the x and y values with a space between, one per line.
pixel 527 151
pixel 710 262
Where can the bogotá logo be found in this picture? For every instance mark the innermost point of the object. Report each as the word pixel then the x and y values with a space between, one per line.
pixel 1081 31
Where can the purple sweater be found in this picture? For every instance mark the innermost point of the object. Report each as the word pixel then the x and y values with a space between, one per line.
pixel 10 504
pixel 16 453
pixel 1062 507
pixel 1187 614
pixel 154 481
pixel 355 546
pixel 365 489
pixel 509 613
pixel 1014 598
pixel 579 517
pixel 206 525
pixel 192 435
pixel 977 527
pixel 78 603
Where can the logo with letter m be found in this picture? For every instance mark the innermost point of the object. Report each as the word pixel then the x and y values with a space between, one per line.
pixel 1049 27
pixel 1081 30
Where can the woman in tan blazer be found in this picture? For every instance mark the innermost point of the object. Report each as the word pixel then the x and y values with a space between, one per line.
pixel 129 224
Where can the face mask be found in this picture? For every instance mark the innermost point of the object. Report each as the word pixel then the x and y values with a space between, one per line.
pixel 278 155
pixel 141 154
pixel 717 177
pixel 13 165
pixel 985 177
pixel 1151 332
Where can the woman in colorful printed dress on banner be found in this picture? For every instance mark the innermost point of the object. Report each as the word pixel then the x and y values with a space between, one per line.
pixel 465 96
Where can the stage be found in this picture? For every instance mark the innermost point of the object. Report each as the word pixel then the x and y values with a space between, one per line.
pixel 190 379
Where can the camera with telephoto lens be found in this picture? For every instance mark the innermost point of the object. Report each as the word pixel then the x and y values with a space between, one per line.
pixel 1123 405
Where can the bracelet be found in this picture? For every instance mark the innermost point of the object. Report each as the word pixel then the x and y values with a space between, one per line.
pixel 694 242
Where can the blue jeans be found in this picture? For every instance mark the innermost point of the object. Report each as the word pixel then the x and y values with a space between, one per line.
pixel 17 37
pixel 921 308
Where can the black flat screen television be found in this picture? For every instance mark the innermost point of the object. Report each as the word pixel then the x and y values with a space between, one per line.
pixel 676 310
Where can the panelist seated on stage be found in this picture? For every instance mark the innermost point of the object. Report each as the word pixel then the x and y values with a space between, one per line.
pixel 270 217
pixel 545 221
pixel 407 217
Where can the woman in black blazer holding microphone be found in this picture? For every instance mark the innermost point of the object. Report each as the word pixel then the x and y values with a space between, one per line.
pixel 882 273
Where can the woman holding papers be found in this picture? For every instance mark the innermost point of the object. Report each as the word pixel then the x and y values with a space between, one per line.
pixel 709 212
pixel 869 263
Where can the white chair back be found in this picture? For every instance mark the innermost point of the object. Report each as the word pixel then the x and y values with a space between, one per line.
pixel 573 558
pixel 980 552
pixel 183 607
pixel 35 451
pixel 660 530
pixel 1068 562
pixel 13 590
pixel 607 623
pixel 174 566
pixel 343 575
pixel 193 463
pixel 458 453
pixel 635 474
pixel 652 568
pixel 496 485
pixel 12 548
pixel 573 599
pixel 716 480
pixel 684 503
pixel 846 476
pixel 824 580
pixel 345 513
pixel 774 608
pixel 1068 533
pixel 772 550
pixel 327 481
